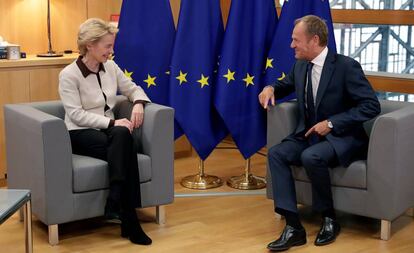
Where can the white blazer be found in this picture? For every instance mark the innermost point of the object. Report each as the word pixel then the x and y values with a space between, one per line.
pixel 83 99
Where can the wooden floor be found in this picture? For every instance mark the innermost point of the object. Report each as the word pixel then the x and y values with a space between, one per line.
pixel 233 223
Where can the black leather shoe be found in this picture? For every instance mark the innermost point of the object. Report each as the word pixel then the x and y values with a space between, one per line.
pixel 290 237
pixel 328 232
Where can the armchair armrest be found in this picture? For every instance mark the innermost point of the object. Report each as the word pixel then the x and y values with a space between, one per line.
pixel 39 158
pixel 390 160
pixel 154 138
pixel 158 142
pixel 281 121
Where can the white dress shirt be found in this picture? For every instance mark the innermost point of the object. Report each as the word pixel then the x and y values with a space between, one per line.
pixel 318 63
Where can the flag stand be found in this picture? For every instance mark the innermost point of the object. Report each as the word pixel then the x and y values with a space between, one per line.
pixel 247 181
pixel 201 181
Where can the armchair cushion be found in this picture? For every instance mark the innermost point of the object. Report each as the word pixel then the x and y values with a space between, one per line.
pixel 91 174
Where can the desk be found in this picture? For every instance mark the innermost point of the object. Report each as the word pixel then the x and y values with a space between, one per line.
pixel 10 202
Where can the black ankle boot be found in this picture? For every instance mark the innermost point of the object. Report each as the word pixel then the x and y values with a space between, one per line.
pixel 130 228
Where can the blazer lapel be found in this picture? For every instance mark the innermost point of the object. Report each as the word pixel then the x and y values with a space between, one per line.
pixel 327 71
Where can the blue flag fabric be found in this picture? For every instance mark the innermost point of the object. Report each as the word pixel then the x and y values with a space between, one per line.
pixel 249 32
pixel 281 57
pixel 143 47
pixel 197 43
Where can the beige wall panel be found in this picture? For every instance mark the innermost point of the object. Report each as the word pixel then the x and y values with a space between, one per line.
pixel 225 8
pixel 175 8
pixel 66 18
pixel 14 88
pixel 24 23
pixel 115 6
pixel 103 8
pixel 44 84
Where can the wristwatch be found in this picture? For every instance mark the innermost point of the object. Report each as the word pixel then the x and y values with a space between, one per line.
pixel 330 125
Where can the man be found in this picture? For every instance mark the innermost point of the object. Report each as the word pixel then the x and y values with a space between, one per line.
pixel 334 99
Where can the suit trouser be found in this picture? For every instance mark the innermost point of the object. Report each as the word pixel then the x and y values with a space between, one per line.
pixel 114 145
pixel 316 160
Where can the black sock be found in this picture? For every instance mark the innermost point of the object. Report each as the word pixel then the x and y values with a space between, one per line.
pixel 292 219
pixel 329 213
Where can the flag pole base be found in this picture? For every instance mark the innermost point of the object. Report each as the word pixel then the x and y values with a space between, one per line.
pixel 201 182
pixel 250 182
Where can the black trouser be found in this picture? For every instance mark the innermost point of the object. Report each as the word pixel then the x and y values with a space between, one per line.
pixel 114 145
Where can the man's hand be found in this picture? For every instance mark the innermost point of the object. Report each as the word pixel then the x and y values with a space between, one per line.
pixel 266 95
pixel 125 123
pixel 137 115
pixel 321 129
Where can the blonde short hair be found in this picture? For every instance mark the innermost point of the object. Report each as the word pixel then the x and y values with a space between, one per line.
pixel 92 30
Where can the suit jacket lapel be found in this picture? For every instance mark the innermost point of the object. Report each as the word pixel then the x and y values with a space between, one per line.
pixel 300 80
pixel 327 71
pixel 302 83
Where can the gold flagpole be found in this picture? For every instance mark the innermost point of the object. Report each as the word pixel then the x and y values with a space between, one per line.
pixel 247 181
pixel 201 181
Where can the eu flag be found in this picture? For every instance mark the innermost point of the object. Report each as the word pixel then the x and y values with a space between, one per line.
pixel 194 60
pixel 248 37
pixel 281 57
pixel 143 47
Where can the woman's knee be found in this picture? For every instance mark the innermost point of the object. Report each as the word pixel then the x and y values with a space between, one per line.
pixel 121 134
pixel 120 131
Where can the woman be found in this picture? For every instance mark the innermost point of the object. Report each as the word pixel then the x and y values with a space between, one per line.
pixel 88 89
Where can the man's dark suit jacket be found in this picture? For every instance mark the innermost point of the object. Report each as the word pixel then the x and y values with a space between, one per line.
pixel 344 96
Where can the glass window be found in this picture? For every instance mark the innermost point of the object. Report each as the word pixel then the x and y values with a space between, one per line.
pixel 384 48
pixel 372 4
pixel 369 4
pixel 395 96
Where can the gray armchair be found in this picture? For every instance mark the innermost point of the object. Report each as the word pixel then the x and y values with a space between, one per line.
pixel 381 187
pixel 67 187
